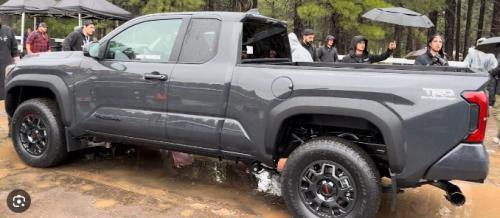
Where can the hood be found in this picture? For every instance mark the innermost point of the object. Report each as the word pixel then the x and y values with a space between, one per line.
pixel 330 37
pixel 355 40
pixel 50 55
pixel 80 30
pixel 294 41
pixel 299 53
pixel 51 58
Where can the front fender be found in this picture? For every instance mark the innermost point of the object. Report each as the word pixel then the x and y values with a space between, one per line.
pixel 51 82
pixel 387 121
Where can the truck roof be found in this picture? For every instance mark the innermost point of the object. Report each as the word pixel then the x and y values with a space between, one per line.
pixel 223 15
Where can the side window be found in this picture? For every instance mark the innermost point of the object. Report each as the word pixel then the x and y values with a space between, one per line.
pixel 148 41
pixel 200 43
pixel 264 41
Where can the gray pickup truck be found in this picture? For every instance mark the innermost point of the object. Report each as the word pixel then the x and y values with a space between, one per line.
pixel 224 85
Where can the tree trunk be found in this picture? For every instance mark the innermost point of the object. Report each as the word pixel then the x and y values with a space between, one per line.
pixel 495 23
pixel 481 19
pixel 449 29
pixel 335 30
pixel 433 16
pixel 297 22
pixel 233 5
pixel 255 3
pixel 409 40
pixel 273 8
pixel 398 36
pixel 470 5
pixel 458 31
pixel 209 5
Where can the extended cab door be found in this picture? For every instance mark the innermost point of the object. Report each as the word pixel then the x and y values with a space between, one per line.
pixel 199 85
pixel 126 93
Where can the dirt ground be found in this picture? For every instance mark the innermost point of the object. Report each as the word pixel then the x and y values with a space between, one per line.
pixel 140 183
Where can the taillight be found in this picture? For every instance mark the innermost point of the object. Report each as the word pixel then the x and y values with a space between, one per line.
pixel 479 114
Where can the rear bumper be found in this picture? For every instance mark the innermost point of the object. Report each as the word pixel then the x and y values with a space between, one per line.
pixel 465 162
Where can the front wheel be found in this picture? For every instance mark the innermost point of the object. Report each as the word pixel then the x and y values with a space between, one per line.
pixel 37 133
pixel 331 177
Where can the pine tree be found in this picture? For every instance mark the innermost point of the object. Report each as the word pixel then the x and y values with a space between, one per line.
pixel 467 44
pixel 458 31
pixel 481 19
pixel 495 23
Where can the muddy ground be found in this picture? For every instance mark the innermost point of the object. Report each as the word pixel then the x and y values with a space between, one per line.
pixel 141 183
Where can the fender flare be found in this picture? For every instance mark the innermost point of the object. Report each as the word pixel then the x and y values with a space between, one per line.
pixel 51 82
pixel 378 114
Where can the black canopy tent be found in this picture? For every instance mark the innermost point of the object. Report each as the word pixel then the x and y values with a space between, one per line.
pixel 100 9
pixel 27 7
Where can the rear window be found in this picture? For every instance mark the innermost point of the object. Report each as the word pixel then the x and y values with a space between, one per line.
pixel 264 41
pixel 200 43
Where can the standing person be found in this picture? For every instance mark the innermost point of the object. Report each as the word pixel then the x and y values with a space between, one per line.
pixel 299 53
pixel 8 54
pixel 358 52
pixel 38 41
pixel 328 53
pixel 434 56
pixel 79 38
pixel 480 60
pixel 495 74
pixel 307 43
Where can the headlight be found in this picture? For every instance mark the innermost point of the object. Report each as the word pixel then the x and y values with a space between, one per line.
pixel 9 69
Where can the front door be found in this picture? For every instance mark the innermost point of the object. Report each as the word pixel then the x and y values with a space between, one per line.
pixel 126 93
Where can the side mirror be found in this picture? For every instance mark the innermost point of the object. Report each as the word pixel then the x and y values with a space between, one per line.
pixel 92 49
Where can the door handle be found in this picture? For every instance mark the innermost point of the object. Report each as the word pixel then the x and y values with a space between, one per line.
pixel 155 76
pixel 107 117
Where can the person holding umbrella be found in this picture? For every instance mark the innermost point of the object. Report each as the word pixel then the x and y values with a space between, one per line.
pixel 358 52
pixel 434 56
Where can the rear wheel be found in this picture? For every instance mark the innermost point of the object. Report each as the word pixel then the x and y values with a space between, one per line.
pixel 331 177
pixel 37 133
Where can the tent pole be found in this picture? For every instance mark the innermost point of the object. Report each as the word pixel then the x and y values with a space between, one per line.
pixel 79 20
pixel 116 23
pixel 23 16
pixel 34 23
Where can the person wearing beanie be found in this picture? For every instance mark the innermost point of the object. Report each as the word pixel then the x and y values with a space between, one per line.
pixel 308 43
pixel 328 52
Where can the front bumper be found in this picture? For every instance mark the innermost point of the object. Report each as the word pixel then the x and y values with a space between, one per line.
pixel 465 162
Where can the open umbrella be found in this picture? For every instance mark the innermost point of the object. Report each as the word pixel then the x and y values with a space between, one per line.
pixel 24 7
pixel 399 16
pixel 415 54
pixel 100 9
pixel 490 45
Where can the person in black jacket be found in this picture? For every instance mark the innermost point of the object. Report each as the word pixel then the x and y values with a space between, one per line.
pixel 328 53
pixel 307 43
pixel 79 38
pixel 358 52
pixel 8 54
pixel 434 56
